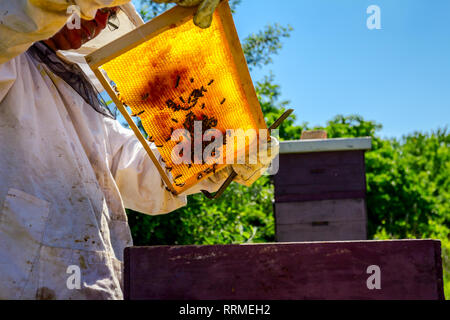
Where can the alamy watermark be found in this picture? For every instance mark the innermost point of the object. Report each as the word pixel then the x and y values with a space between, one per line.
pixel 374 19
pixel 74 21
pixel 74 279
pixel 374 280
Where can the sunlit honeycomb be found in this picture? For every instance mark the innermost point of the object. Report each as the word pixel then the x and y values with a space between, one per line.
pixel 182 74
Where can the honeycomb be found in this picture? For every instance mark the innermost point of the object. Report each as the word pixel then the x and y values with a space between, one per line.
pixel 183 74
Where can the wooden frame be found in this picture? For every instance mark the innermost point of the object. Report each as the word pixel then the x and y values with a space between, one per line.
pixel 171 19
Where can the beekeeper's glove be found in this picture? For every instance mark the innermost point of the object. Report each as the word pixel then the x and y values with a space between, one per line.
pixel 248 173
pixel 205 10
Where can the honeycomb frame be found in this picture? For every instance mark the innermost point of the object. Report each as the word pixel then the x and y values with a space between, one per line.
pixel 172 19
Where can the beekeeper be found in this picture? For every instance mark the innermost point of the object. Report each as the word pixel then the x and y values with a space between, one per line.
pixel 68 170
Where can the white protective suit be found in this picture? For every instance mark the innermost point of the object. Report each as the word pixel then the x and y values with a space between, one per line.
pixel 66 172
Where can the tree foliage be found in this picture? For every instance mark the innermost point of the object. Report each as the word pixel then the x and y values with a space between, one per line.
pixel 149 9
pixel 239 216
pixel 259 47
pixel 268 95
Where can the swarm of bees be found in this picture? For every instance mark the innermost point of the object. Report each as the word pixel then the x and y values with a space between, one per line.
pixel 182 104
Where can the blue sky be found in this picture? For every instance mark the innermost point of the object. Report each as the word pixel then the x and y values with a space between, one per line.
pixel 333 64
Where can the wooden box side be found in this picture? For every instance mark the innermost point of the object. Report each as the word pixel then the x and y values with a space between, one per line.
pixel 409 269
pixel 320 176
pixel 323 220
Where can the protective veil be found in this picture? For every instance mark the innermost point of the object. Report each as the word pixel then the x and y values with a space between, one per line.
pixel 66 172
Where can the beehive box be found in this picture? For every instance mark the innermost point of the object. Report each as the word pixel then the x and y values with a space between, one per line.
pixel 171 73
pixel 320 190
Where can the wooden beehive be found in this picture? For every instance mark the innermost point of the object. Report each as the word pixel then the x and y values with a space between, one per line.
pixel 170 73
pixel 320 190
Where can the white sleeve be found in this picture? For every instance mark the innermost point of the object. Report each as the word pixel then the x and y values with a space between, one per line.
pixel 139 182
pixel 23 22
pixel 8 74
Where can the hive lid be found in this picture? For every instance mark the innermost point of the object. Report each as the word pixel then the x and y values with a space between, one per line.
pixel 170 73
pixel 325 145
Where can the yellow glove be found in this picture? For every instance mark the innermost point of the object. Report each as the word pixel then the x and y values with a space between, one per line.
pixel 248 173
pixel 205 10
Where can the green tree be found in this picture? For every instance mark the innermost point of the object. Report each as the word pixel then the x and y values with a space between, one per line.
pixel 240 215
pixel 268 95
pixel 259 47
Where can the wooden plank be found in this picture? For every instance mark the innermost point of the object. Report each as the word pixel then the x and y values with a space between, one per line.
pixel 409 269
pixel 336 178
pixel 320 176
pixel 322 231
pixel 326 220
pixel 325 165
pixel 234 44
pixel 291 195
pixel 322 145
pixel 325 210
pixel 127 277
pixel 313 134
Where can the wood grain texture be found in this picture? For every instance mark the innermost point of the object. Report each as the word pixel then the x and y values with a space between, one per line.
pixel 320 176
pixel 322 231
pixel 324 210
pixel 313 134
pixel 325 220
pixel 410 269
